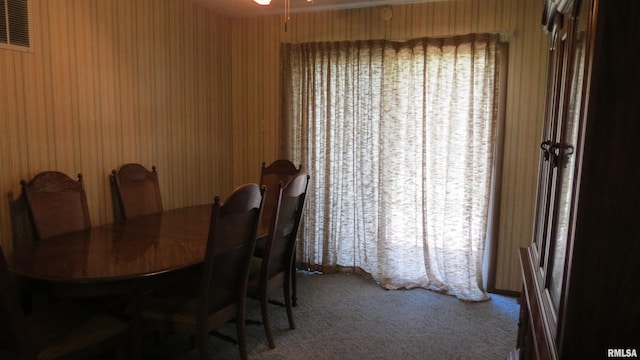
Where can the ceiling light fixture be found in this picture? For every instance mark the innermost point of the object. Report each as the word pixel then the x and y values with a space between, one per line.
pixel 287 9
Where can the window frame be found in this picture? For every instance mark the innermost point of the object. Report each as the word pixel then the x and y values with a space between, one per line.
pixel 8 45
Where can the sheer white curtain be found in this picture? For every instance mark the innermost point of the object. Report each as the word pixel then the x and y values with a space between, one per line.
pixel 399 139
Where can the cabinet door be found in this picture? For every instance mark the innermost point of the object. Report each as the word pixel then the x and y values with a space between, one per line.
pixel 568 154
pixel 559 160
pixel 546 168
pixel 560 47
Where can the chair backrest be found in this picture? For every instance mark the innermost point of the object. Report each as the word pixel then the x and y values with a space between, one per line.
pixel 270 176
pixel 138 190
pixel 57 204
pixel 280 245
pixel 232 238
pixel 14 335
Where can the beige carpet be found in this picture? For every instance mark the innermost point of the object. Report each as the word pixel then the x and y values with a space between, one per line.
pixel 343 316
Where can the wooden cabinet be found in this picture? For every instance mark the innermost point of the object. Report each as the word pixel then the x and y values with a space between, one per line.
pixel 581 273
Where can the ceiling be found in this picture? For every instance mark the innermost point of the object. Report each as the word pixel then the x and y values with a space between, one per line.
pixel 250 8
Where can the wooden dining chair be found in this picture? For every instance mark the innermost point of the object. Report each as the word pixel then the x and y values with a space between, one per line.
pixel 55 331
pixel 281 170
pixel 57 204
pixel 137 190
pixel 219 295
pixel 274 269
pixel 270 176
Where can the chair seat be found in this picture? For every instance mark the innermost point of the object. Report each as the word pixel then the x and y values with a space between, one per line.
pixel 254 275
pixel 63 330
pixel 97 329
pixel 254 285
pixel 181 302
pixel 172 309
pixel 261 243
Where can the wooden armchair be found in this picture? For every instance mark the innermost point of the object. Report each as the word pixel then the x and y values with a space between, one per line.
pixel 275 268
pixel 57 204
pixel 58 331
pixel 219 295
pixel 137 190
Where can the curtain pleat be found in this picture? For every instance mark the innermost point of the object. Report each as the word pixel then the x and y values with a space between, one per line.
pixel 398 138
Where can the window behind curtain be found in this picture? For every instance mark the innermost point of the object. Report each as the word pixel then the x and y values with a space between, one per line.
pixel 399 140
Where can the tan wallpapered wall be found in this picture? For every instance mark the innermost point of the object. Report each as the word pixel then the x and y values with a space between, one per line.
pixel 172 84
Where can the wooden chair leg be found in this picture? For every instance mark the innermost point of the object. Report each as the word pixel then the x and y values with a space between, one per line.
pixel 201 342
pixel 294 290
pixel 132 310
pixel 241 336
pixel 121 352
pixel 288 300
pixel 264 302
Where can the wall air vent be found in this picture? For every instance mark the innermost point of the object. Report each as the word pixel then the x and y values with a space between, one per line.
pixel 14 24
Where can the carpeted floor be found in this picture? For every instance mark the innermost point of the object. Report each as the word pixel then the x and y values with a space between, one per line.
pixel 342 316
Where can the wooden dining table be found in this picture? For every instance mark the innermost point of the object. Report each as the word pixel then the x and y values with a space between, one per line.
pixel 124 256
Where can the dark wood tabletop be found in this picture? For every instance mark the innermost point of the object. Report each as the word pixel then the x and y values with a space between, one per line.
pixel 143 247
